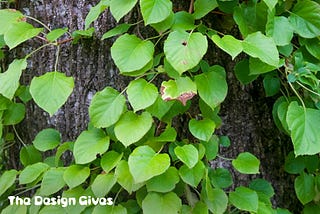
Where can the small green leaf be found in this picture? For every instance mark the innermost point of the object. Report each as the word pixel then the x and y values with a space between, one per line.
pixel 119 8
pixel 20 32
pixel 110 160
pixel 242 72
pixel 154 11
pixel 220 178
pixel 183 21
pixel 164 25
pixel 102 184
pixel 141 94
pixel 156 203
pixel 262 186
pixel 244 199
pixel 55 34
pixel 29 155
pixel 9 80
pixel 194 175
pixel 304 188
pixel 184 50
pixel 262 47
pixel 171 178
pixel 95 12
pixel 52 181
pixel 14 114
pixel 303 124
pixel 188 154
pixel 32 172
pixel 131 53
pixel 246 163
pixel 159 108
pixel 271 85
pixel 203 7
pixel 130 121
pixel 212 147
pixel 279 28
pixel 89 144
pixel 47 139
pixel 7 179
pixel 202 129
pixel 120 29
pixel 216 199
pixel 256 67
pixel 75 175
pixel 144 163
pixel 229 44
pixel 51 90
pixel 106 107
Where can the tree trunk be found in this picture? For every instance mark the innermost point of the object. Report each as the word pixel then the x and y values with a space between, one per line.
pixel 246 114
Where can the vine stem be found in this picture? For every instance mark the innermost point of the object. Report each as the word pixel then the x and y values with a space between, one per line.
pixel 308 89
pixel 36 50
pixel 57 58
pixel 18 136
pixel 27 190
pixel 191 6
pixel 296 93
pixel 38 21
pixel 224 158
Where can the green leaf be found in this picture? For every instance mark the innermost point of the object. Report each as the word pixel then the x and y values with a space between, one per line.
pixel 203 7
pixel 262 186
pixel 7 179
pixel 305 18
pixel 102 184
pixel 101 209
pixel 131 53
pixel 32 172
pixel 124 177
pixel 55 34
pixel 185 50
pixel 9 80
pixel 47 139
pixel 279 28
pixel 304 188
pixel 141 94
pixel 75 175
pixel 106 107
pixel 188 154
pixel 243 73
pixel 21 209
pixel 271 3
pixel 271 85
pixel 156 203
pixel 51 90
pixel 303 124
pixel 229 44
pixel 9 17
pixel 164 25
pixel 154 11
pixel 95 12
pixel 120 29
pixel 262 47
pixel 157 184
pixel 110 160
pixel 130 121
pixel 144 163
pixel 29 155
pixel 194 175
pixel 313 47
pixel 159 108
pixel 90 144
pixel 119 8
pixel 14 114
pixel 215 199
pixel 202 129
pixel 246 163
pixel 212 88
pixel 212 147
pixel 61 149
pixel 20 32
pixel 52 181
pixel 256 66
pixel 220 177
pixel 183 21
pixel 244 199
pixel 294 165
pixel 182 89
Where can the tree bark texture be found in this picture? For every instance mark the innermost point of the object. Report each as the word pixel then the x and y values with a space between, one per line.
pixel 246 114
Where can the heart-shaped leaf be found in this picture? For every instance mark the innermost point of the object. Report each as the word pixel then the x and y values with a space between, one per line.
pixel 304 187
pixel 119 8
pixel 130 121
pixel 75 175
pixel 229 44
pixel 203 7
pixel 194 175
pixel 244 199
pixel 156 183
pixel 51 90
pixel 9 17
pixel 188 154
pixel 47 139
pixel 154 11
pixel 145 163
pixel 185 50
pixel 246 163
pixel 102 184
pixel 156 203
pixel 202 129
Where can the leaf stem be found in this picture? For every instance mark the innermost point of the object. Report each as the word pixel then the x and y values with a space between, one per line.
pixel 36 50
pixel 57 58
pixel 19 138
pixel 39 22
pixel 224 158
pixel 308 89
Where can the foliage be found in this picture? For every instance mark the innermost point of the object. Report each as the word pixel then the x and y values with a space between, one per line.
pixel 123 154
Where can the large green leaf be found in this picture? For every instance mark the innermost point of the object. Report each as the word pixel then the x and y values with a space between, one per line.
pixel 131 53
pixel 244 199
pixel 305 18
pixel 90 144
pixel 203 7
pixel 7 179
pixel 32 172
pixel 156 203
pixel 95 12
pixel 194 175
pixel 119 8
pixel 154 11
pixel 229 44
pixel 9 80
pixel 212 88
pixel 184 50
pixel 145 163
pixel 304 186
pixel 20 32
pixel 75 175
pixel 262 47
pixel 52 181
pixel 47 139
pixel 304 126
pixel 202 129
pixel 51 90
pixel 188 154
pixel 279 28
pixel 132 127
pixel 9 17
pixel 141 94
pixel 171 178
pixel 246 163
pixel 106 107
pixel 102 184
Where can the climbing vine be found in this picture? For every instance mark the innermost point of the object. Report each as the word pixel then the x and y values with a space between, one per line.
pixel 131 152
